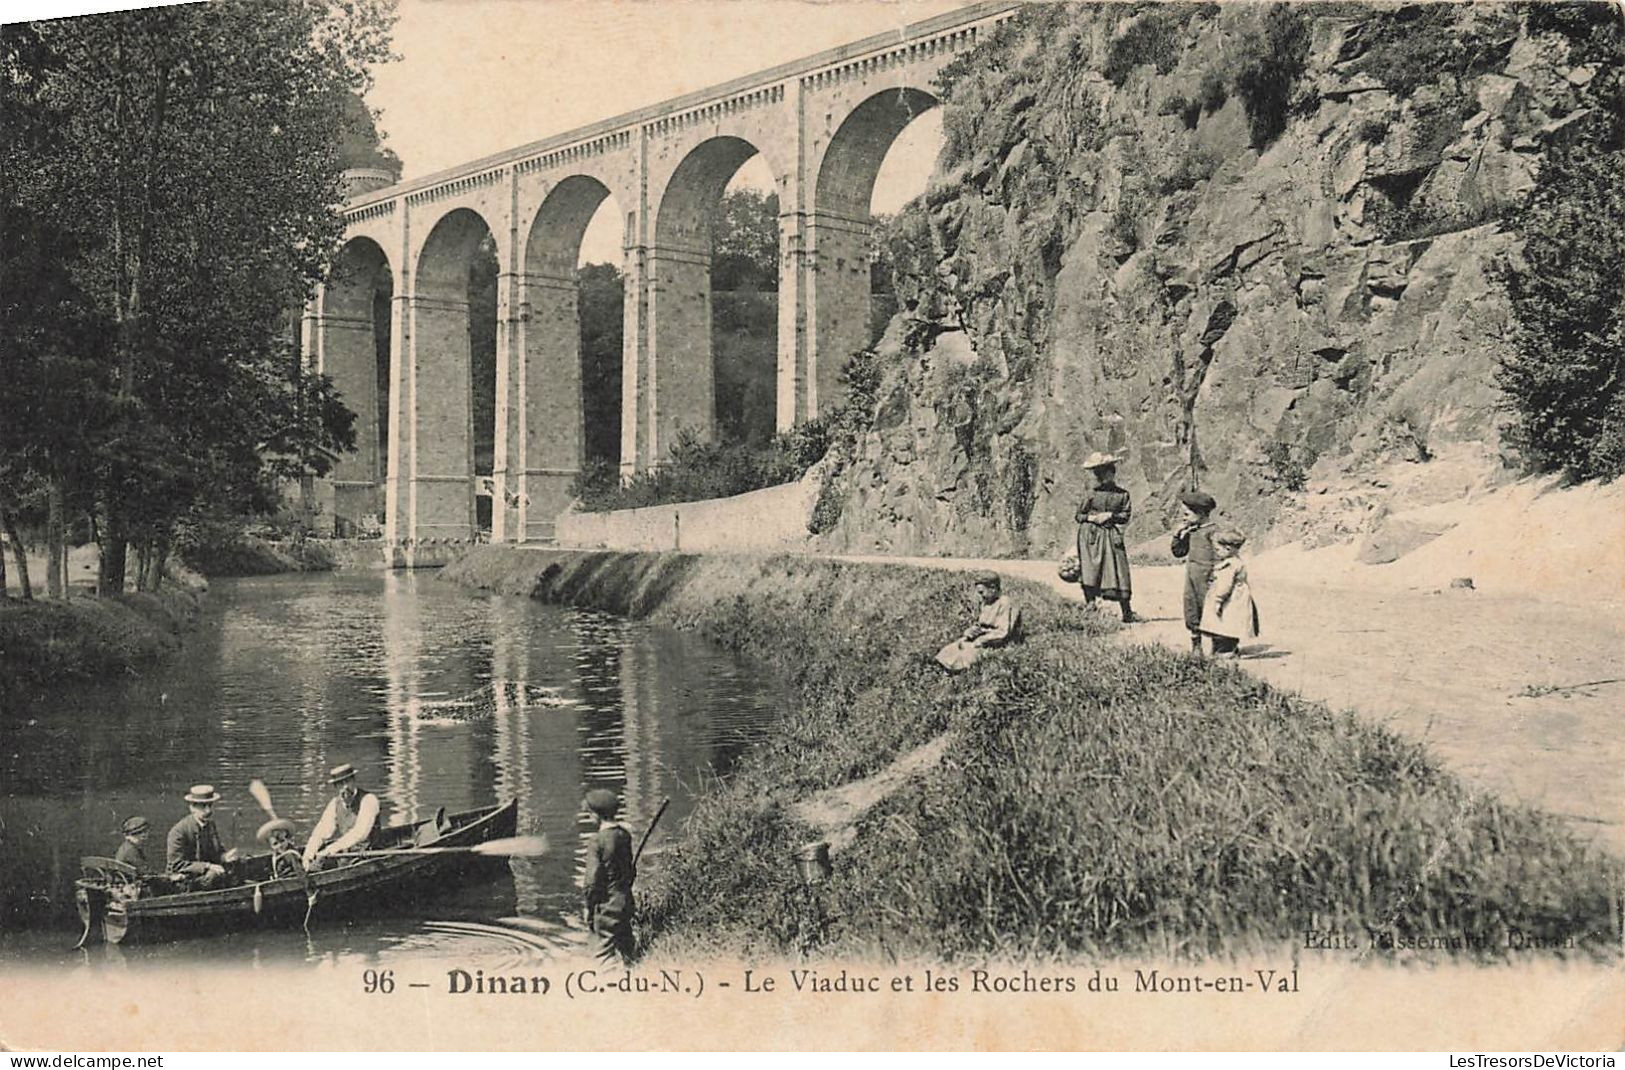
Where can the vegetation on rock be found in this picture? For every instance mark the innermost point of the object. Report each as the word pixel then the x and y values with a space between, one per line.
pixel 1565 380
pixel 1235 244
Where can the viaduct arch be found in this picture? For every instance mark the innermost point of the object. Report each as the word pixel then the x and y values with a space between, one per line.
pixel 822 125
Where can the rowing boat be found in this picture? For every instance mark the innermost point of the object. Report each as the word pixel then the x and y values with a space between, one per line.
pixel 125 908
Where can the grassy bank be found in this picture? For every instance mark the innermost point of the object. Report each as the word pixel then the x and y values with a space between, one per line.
pixel 1097 799
pixel 46 642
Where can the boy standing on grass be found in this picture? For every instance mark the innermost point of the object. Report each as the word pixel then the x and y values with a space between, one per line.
pixel 608 880
pixel 1194 542
pixel 1229 615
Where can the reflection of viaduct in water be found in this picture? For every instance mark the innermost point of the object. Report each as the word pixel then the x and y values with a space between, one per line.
pixel 822 124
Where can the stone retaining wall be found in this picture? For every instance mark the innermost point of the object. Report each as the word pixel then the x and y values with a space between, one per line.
pixel 770 519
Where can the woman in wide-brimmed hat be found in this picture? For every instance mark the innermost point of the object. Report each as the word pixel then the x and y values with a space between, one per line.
pixel 1102 555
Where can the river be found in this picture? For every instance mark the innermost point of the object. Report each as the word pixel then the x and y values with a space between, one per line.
pixel 440 697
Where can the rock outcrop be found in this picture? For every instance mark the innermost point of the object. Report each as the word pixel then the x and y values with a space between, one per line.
pixel 1251 248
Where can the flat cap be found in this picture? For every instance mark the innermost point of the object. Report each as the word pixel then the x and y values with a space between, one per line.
pixel 602 802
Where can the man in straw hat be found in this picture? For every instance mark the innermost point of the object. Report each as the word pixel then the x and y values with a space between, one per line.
pixel 608 881
pixel 997 622
pixel 348 821
pixel 133 851
pixel 1102 554
pixel 193 850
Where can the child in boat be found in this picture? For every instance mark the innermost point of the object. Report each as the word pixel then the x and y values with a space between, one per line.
pixel 998 622
pixel 1193 541
pixel 133 851
pixel 1229 614
pixel 608 881
pixel 285 857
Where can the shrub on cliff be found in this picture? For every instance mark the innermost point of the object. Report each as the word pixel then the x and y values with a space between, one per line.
pixel 1565 382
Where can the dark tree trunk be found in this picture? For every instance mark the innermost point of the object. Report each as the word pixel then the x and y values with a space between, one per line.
pixel 113 547
pixel 143 558
pixel 160 557
pixel 56 565
pixel 25 589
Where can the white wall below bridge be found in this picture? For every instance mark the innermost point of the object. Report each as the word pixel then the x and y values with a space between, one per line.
pixel 771 519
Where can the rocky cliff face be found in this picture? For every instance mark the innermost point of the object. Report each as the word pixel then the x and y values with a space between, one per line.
pixel 1248 248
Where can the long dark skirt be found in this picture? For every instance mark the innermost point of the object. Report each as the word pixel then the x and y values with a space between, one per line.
pixel 1103 562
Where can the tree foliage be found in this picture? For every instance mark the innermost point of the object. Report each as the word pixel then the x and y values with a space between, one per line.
pixel 1565 382
pixel 745 242
pixel 171 189
pixel 600 299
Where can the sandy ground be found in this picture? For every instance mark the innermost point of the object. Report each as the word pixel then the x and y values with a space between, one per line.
pixel 1470 673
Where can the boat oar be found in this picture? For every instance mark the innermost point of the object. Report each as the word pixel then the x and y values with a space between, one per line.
pixel 511 847
pixel 256 788
pixel 650 831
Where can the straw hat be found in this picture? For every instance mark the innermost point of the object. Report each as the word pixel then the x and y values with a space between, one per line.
pixel 203 793
pixel 341 773
pixel 1230 538
pixel 1099 460
pixel 134 826
pixel 280 824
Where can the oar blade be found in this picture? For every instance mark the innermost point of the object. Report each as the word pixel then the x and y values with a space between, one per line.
pixel 513 847
pixel 257 789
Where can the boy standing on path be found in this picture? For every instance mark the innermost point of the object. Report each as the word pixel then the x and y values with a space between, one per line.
pixel 1194 542
pixel 608 881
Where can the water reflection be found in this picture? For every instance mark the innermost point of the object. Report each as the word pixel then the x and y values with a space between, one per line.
pixel 438 696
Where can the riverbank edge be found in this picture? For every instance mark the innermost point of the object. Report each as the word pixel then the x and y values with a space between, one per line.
pixel 45 642
pixel 1079 809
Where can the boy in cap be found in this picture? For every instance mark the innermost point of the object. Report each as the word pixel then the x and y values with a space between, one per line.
pixel 133 851
pixel 1194 542
pixel 347 821
pixel 608 880
pixel 998 622
pixel 193 852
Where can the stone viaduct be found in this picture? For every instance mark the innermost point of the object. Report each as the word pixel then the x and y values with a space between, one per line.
pixel 822 124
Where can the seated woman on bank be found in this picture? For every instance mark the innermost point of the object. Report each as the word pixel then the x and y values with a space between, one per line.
pixel 998 623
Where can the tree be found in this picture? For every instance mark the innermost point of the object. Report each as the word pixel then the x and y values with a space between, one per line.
pixel 195 155
pixel 1565 382
pixel 745 243
pixel 744 314
pixel 600 300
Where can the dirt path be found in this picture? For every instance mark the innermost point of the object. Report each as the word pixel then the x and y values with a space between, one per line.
pixel 834 813
pixel 1469 673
